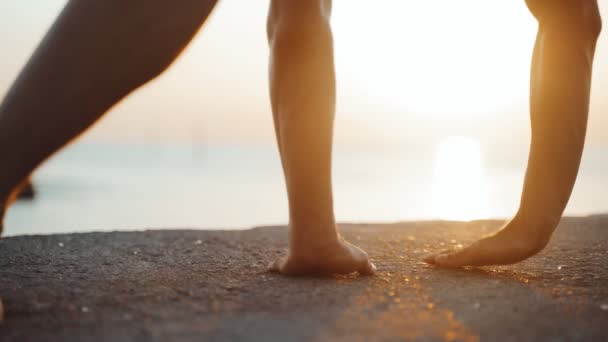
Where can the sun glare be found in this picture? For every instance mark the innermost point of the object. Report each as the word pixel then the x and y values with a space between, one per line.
pixel 440 57
pixel 459 190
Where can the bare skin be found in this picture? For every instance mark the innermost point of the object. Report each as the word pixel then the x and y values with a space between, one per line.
pixel 303 98
pixel 85 66
pixel 559 104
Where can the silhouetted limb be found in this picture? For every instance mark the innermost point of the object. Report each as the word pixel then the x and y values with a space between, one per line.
pixel 95 54
pixel 28 192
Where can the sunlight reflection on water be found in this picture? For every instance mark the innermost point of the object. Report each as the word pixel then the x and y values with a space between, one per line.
pixel 93 187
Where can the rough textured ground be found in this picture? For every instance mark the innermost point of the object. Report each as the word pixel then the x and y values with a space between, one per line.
pixel 212 286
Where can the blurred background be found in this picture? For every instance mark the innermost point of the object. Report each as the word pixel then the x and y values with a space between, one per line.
pixel 432 123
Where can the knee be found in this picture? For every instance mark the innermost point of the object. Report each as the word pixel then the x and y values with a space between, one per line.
pixel 296 20
pixel 568 14
pixel 589 18
pixel 596 25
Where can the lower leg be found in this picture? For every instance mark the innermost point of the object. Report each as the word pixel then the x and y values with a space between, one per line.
pixel 559 103
pixel 95 54
pixel 303 100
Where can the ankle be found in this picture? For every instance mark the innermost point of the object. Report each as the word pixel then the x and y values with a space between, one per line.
pixel 305 236
pixel 314 250
pixel 537 224
pixel 532 235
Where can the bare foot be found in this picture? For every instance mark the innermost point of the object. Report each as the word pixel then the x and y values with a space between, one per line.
pixel 338 257
pixel 511 244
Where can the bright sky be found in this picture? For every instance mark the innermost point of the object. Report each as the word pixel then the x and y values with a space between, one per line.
pixel 406 70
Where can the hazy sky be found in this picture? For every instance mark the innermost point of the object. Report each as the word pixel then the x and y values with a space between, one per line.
pixel 407 70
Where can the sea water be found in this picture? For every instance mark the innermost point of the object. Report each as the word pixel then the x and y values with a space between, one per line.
pixel 106 187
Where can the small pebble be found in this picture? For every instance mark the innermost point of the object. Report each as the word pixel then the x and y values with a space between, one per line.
pixel 477 305
pixel 60 244
pixel 561 267
pixel 604 307
pixel 198 242
pixel 85 309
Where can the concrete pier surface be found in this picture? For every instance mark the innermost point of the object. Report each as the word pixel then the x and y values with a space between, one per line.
pixel 188 285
